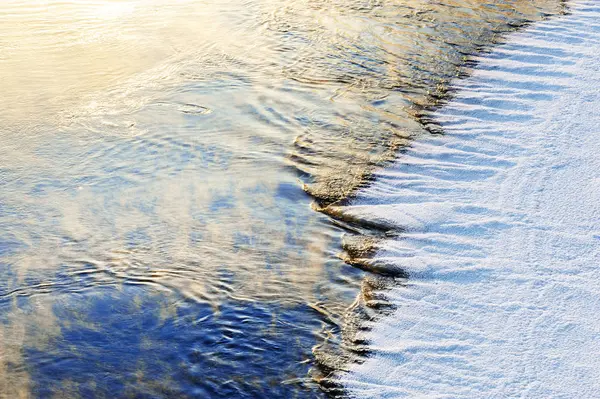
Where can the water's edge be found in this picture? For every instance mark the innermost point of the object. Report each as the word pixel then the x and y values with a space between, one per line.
pixel 179 179
pixel 501 226
pixel 364 231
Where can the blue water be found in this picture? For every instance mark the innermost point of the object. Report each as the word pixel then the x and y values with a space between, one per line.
pixel 180 262
pixel 136 342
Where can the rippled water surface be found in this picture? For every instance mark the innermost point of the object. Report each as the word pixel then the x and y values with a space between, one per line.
pixel 158 161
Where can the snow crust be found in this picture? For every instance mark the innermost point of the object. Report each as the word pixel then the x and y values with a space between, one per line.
pixel 503 231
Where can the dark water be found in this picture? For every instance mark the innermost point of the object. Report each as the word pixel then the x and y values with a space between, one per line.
pixel 158 163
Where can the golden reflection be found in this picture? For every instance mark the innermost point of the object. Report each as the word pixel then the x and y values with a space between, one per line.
pixel 58 55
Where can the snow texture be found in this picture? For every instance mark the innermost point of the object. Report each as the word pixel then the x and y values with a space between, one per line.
pixel 503 231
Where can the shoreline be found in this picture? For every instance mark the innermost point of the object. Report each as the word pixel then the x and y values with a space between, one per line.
pixel 470 208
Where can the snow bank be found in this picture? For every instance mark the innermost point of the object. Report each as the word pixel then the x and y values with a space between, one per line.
pixel 503 231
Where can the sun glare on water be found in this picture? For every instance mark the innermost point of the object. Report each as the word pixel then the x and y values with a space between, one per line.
pixel 57 55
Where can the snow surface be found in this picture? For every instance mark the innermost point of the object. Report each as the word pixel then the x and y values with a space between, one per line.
pixel 503 239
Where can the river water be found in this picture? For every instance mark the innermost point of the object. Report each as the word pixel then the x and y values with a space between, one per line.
pixel 162 169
